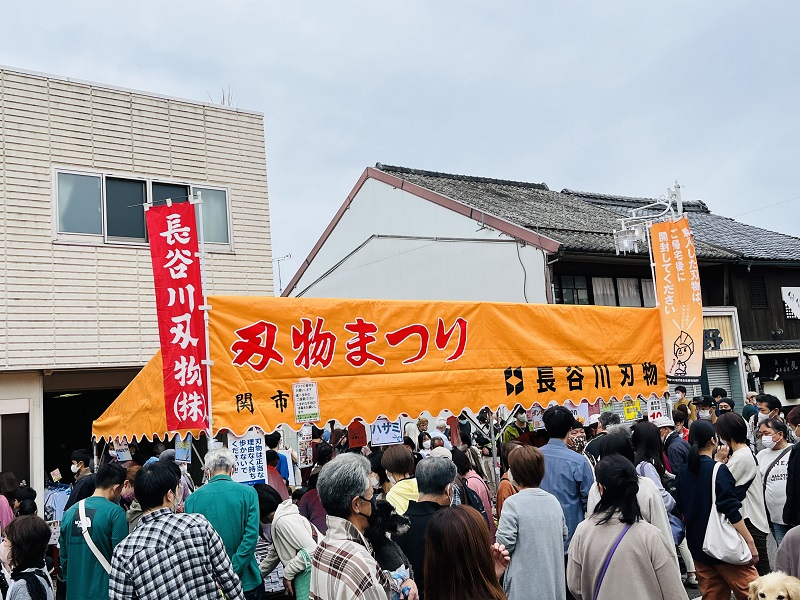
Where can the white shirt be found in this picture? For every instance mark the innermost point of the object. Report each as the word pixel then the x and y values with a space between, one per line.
pixel 743 467
pixel 438 434
pixel 775 494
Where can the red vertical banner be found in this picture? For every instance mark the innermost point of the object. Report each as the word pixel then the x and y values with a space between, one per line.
pixel 680 300
pixel 179 295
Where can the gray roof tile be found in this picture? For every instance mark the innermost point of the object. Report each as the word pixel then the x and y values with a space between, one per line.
pixel 583 222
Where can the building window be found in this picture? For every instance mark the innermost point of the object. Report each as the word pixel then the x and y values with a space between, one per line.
pixel 604 291
pixel 758 291
pixel 80 204
pixel 100 207
pixel 573 289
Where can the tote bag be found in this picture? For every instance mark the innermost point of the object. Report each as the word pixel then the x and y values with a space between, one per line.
pixel 722 541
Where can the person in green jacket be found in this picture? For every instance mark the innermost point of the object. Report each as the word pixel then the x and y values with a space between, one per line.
pixel 81 570
pixel 232 509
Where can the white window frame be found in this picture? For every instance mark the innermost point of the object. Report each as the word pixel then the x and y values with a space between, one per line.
pixel 103 239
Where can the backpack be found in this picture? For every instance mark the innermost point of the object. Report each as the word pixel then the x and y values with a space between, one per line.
pixel 471 498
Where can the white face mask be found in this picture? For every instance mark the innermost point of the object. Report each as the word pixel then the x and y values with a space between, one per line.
pixel 762 417
pixel 74 468
pixel 391 479
pixel 705 415
pixel 522 418
pixel 374 481
pixel 510 476
pixel 426 444
pixel 768 441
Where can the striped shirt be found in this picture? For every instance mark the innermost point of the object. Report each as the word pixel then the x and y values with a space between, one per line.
pixel 344 568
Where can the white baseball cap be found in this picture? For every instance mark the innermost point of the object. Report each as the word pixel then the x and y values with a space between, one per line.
pixel 663 422
pixel 592 420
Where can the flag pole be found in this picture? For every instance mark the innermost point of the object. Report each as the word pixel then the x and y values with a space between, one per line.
pixel 205 307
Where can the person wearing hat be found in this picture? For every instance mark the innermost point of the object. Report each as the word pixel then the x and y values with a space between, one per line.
pixel 705 406
pixel 675 447
pixel 518 426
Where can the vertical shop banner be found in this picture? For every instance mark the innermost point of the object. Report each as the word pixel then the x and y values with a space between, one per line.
pixel 680 304
pixel 179 295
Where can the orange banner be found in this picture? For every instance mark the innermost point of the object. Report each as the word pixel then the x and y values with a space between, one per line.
pixel 680 304
pixel 373 358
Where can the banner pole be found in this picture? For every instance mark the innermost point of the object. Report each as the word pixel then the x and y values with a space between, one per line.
pixel 205 308
pixel 493 437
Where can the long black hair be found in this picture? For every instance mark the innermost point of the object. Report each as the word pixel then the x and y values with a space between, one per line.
pixel 620 486
pixel 701 433
pixel 616 441
pixel 648 446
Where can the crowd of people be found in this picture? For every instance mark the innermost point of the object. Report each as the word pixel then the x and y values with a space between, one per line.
pixel 581 510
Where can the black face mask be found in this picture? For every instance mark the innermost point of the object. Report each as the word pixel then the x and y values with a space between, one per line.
pixel 722 411
pixel 374 524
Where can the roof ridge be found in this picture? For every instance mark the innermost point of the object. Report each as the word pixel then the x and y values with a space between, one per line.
pixel 614 198
pixel 523 184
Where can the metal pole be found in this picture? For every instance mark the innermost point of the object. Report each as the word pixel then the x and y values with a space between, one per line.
pixel 493 437
pixel 205 308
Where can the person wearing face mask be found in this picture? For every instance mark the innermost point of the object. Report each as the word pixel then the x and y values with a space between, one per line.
pixel 773 462
pixel 676 448
pixel 704 408
pixel 425 443
pixel 435 477
pixel 399 465
pixel 134 511
pixel 724 404
pixel 791 510
pixel 736 454
pixel 769 407
pixel 22 554
pixel 577 438
pixel 344 559
pixel 232 508
pixel 170 556
pixel 517 427
pixel 293 542
pixel 100 518
pixel 84 480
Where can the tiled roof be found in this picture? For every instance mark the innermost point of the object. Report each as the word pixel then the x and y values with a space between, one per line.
pixel 765 346
pixel 583 221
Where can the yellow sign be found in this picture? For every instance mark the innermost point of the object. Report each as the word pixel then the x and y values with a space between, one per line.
pixel 680 303
pixel 373 358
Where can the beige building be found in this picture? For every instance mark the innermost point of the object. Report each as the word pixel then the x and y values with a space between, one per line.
pixel 77 161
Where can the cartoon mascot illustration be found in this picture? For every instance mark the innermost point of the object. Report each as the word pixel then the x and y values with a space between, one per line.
pixel 683 349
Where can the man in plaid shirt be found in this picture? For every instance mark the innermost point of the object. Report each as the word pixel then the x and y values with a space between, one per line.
pixel 170 556
pixel 343 566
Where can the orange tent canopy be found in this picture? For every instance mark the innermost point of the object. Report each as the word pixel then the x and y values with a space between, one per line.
pixel 373 358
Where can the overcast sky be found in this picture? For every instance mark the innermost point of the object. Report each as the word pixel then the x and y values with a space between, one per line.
pixel 612 97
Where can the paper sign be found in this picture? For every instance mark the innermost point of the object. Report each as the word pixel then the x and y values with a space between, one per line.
pixel 123 452
pixel 183 448
pixel 655 409
pixel 356 434
pixel 306 401
pixel 632 408
pixel 386 432
pixel 306 451
pixel 290 462
pixel 250 453
pixel 56 474
pixel 536 417
pixel 581 412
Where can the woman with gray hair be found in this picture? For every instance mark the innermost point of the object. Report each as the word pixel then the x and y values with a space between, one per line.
pixel 343 562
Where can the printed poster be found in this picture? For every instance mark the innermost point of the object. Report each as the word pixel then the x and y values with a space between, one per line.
pixel 250 453
pixel 183 448
pixel 305 454
pixel 680 302
pixel 306 401
pixel 386 432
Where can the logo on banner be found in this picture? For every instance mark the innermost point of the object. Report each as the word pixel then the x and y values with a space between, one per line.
pixel 677 279
pixel 172 231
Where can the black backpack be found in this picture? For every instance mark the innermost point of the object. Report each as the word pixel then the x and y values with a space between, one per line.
pixel 471 498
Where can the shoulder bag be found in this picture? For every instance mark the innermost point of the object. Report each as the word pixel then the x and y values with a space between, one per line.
pixel 722 541
pixel 89 541
pixel 608 561
pixel 766 476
